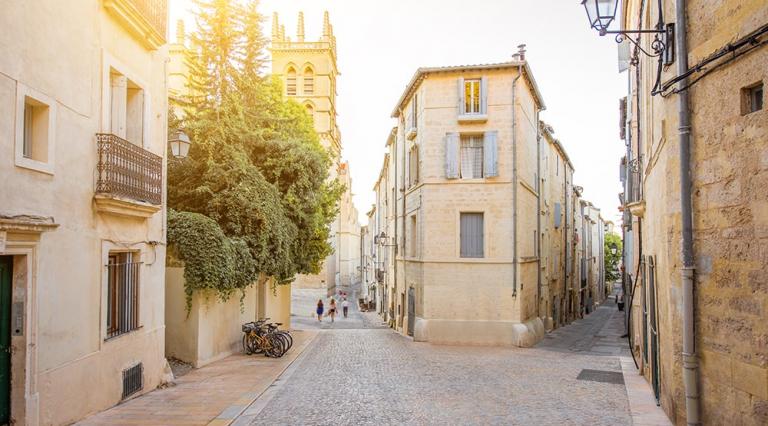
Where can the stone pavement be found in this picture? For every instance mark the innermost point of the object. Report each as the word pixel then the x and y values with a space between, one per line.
pixel 376 376
pixel 214 394
pixel 304 303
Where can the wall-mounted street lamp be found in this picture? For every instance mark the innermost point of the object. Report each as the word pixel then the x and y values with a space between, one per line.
pixel 381 240
pixel 180 143
pixel 614 249
pixel 601 13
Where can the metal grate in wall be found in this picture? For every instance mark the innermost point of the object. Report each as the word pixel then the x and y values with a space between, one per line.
pixel 133 380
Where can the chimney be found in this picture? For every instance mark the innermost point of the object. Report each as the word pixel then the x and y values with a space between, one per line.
pixel 180 35
pixel 521 52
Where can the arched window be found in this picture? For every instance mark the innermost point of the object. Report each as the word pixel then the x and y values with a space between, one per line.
pixel 290 82
pixel 309 81
pixel 310 111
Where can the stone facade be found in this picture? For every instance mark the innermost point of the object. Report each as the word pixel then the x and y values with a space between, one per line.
pixel 309 73
pixel 457 210
pixel 85 242
pixel 729 171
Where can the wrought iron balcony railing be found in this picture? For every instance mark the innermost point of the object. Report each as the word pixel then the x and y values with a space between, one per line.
pixel 128 171
pixel 154 11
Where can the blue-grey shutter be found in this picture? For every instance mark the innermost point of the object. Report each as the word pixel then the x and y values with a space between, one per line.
pixel 484 95
pixel 452 155
pixel 490 154
pixel 471 234
pixel 461 96
pixel 557 215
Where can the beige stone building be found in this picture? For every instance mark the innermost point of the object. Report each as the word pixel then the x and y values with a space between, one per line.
pixel 309 73
pixel 459 237
pixel 700 298
pixel 82 206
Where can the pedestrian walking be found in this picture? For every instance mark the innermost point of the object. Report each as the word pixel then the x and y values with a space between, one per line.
pixel 320 310
pixel 345 307
pixel 332 309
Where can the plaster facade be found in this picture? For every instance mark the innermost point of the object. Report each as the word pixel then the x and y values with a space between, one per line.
pixel 729 171
pixel 72 64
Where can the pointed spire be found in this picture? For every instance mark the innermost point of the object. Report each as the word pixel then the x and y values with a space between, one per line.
pixel 326 25
pixel 282 32
pixel 180 35
pixel 275 27
pixel 300 30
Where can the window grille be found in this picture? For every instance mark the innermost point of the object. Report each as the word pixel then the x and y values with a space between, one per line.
pixel 133 380
pixel 122 294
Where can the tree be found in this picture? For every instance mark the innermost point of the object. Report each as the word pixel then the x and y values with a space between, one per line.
pixel 256 166
pixel 612 260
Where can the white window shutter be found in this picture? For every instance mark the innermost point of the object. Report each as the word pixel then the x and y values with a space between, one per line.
pixel 452 155
pixel 490 154
pixel 461 96
pixel 484 95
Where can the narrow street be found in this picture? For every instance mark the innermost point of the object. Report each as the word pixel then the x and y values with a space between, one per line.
pixel 358 375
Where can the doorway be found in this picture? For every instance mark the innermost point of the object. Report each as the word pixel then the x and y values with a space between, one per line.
pixel 6 277
pixel 411 310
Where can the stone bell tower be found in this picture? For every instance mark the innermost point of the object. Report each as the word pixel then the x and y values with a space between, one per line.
pixel 308 70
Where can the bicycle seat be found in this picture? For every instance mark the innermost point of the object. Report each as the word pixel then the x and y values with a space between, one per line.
pixel 278 324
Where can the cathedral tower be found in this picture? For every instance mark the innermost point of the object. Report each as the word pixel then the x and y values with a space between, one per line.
pixel 308 70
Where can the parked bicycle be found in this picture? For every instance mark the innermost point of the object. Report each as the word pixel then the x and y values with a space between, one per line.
pixel 262 337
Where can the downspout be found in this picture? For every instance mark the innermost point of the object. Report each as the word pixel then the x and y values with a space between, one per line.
pixel 405 249
pixel 539 189
pixel 394 211
pixel 514 183
pixel 690 361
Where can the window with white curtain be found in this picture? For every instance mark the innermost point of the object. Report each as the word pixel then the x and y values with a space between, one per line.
pixel 471 156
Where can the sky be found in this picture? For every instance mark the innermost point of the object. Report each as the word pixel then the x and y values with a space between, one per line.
pixel 380 44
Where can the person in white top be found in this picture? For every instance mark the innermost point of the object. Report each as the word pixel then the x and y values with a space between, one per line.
pixel 345 307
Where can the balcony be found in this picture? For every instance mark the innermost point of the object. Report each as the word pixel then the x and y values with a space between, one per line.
pixel 145 19
pixel 130 178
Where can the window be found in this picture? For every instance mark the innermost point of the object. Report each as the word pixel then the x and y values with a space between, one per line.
pixel 122 293
pixel 290 82
pixel 35 120
pixel 310 111
pixel 413 166
pixel 413 252
pixel 472 96
pixel 471 234
pixel 35 139
pixel 126 108
pixel 309 81
pixel 752 98
pixel 471 156
pixel 414 111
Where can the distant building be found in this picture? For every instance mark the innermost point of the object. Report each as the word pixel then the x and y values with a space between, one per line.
pixel 309 72
pixel 82 207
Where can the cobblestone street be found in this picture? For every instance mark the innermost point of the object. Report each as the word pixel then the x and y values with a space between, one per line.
pixel 375 376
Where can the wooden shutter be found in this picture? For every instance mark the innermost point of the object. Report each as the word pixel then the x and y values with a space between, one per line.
pixel 490 154
pixel 452 155
pixel 471 234
pixel 461 96
pixel 557 215
pixel 484 95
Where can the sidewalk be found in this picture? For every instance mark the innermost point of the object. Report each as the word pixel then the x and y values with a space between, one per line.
pixel 215 394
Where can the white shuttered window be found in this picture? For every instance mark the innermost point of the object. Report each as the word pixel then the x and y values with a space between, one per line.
pixel 471 234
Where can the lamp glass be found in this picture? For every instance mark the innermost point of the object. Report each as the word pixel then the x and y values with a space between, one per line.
pixel 180 144
pixel 600 13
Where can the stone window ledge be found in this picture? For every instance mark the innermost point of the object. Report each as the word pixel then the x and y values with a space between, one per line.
pixel 124 207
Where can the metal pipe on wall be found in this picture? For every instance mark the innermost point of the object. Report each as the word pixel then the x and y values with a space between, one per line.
pixel 514 182
pixel 690 361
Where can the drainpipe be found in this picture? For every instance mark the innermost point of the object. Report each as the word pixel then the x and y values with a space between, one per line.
pixel 538 214
pixel 394 211
pixel 690 361
pixel 514 180
pixel 402 189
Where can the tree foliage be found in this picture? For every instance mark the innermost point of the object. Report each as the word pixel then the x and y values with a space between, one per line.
pixel 612 260
pixel 256 166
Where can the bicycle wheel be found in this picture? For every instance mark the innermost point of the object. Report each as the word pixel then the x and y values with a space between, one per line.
pixel 246 348
pixel 274 347
pixel 254 344
pixel 283 341
pixel 288 337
